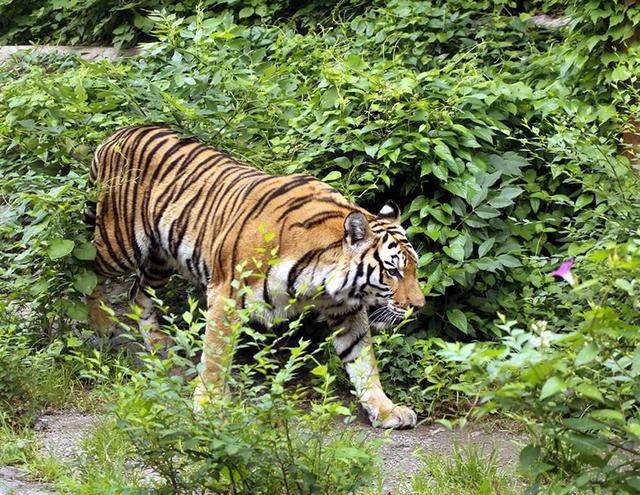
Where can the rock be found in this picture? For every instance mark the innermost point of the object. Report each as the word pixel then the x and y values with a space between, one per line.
pixel 85 52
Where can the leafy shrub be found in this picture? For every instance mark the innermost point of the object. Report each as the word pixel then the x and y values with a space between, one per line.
pixel 487 157
pixel 123 24
pixel 30 379
pixel 574 385
pixel 411 367
pixel 262 439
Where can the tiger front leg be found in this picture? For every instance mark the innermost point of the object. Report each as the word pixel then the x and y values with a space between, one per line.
pixel 216 348
pixel 353 345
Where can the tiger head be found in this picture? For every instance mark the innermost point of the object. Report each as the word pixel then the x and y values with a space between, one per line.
pixel 382 269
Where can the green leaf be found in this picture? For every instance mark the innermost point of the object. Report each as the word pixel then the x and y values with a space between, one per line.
pixel 77 310
pixel 509 261
pixel 586 444
pixel 590 391
pixel 607 415
pixel 576 248
pixel 74 342
pixel 245 12
pixel 625 285
pixel 487 212
pixel 320 370
pixel 633 482
pixel 85 282
pixel 529 456
pixel 583 423
pixel 486 246
pixel 456 249
pixel 620 73
pixel 635 363
pixel 586 354
pixel 442 151
pixel 187 317
pixel 332 176
pixel 552 386
pixel 583 200
pixel 633 428
pixel 440 171
pixel 371 149
pixel 458 319
pixel 506 197
pixel 85 251
pixel 59 248
pixel 330 98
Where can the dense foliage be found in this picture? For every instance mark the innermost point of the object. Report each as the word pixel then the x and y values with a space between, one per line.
pixel 493 161
pixel 260 440
pixel 573 382
pixel 103 21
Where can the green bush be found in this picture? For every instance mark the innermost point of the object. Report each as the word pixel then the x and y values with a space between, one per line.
pixel 492 162
pixel 262 439
pixel 106 21
pixel 30 380
pixel 575 385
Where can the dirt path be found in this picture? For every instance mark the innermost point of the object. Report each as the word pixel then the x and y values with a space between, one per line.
pixel 400 450
pixel 61 433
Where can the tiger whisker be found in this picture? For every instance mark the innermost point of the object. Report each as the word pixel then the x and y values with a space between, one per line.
pixel 378 312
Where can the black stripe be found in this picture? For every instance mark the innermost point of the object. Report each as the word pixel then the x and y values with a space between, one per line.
pixel 359 272
pixel 293 204
pixel 280 191
pixel 317 219
pixel 110 250
pixel 338 320
pixel 303 262
pixel 343 355
pixel 172 193
pixel 266 297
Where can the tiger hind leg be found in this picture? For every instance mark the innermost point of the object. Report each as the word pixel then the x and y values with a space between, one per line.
pixel 99 318
pixel 154 275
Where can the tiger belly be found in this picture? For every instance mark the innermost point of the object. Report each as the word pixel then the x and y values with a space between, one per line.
pixel 181 258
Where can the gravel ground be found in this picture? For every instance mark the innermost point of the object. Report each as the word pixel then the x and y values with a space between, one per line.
pixel 61 433
pixel 400 448
pixel 14 481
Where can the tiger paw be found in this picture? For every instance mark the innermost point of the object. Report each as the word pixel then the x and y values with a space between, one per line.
pixel 397 417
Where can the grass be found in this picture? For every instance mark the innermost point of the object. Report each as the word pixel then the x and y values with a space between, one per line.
pixel 103 464
pixel 468 471
pixel 17 445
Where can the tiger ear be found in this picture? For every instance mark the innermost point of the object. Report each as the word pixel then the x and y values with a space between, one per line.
pixel 390 211
pixel 356 228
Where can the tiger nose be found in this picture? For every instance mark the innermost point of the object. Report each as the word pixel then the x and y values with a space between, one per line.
pixel 417 303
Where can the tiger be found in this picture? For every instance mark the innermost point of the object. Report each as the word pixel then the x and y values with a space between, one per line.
pixel 168 204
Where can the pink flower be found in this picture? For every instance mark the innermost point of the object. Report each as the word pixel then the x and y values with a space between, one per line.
pixel 564 271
